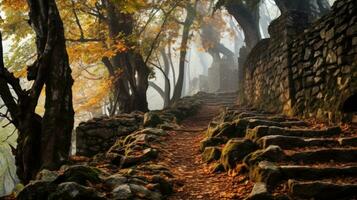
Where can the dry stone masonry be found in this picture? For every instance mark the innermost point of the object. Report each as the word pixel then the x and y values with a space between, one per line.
pixel 99 134
pixel 306 69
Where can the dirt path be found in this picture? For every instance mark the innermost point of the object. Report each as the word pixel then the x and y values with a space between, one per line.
pixel 185 162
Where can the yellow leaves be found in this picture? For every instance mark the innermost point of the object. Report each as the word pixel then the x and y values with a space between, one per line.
pixel 101 91
pixel 15 5
pixel 21 73
pixel 131 6
pixel 93 52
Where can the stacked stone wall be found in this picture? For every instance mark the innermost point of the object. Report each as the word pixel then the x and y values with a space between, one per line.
pixel 305 69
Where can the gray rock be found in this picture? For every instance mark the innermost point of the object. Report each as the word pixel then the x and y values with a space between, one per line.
pixel 47 175
pixel 122 192
pixel 115 180
pixel 142 192
pixel 272 153
pixel 72 190
pixel 259 192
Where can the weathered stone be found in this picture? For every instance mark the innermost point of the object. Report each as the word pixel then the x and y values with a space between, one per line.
pixel 72 190
pixel 115 180
pixel 271 154
pixel 321 190
pixel 352 141
pixel 315 173
pixel 165 186
pixel 259 192
pixel 147 155
pixel 261 131
pixel 325 155
pixel 211 154
pixel 143 192
pixel 235 151
pixel 210 142
pixel 37 190
pixel 122 192
pixel 265 172
pixel 152 119
pixel 80 174
pixel 47 175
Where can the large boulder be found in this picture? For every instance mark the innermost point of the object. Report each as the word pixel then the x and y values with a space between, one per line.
pixel 235 151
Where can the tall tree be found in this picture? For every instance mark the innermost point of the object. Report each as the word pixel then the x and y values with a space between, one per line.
pixel 247 15
pixel 191 12
pixel 314 8
pixel 43 142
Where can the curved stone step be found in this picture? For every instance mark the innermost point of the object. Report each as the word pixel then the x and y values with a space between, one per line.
pixel 290 142
pixel 324 155
pixel 261 131
pixel 316 172
pixel 320 190
pixel 273 173
pixel 350 141
pixel 275 154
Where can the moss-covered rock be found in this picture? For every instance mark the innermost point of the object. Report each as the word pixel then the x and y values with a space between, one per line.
pixel 272 153
pixel 80 174
pixel 37 190
pixel 211 154
pixel 165 186
pixel 211 142
pixel 265 172
pixel 235 151
pixel 152 119
pixel 72 190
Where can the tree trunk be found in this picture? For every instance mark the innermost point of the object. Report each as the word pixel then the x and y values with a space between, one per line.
pixel 191 15
pixel 43 143
pixel 248 19
pixel 130 86
pixel 166 71
pixel 314 8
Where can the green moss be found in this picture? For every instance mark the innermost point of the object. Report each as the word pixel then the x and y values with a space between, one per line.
pixel 80 174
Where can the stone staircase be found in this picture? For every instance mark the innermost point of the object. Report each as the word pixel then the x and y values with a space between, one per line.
pixel 225 100
pixel 291 159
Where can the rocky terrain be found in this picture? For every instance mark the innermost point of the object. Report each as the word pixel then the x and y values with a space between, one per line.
pixel 206 147
pixel 286 158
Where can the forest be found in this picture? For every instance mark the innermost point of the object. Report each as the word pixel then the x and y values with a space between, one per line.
pixel 178 99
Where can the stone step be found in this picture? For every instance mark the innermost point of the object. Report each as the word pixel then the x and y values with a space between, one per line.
pixel 350 141
pixel 220 101
pixel 317 172
pixel 323 155
pixel 274 118
pixel 252 123
pixel 274 174
pixel 261 131
pixel 301 156
pixel 290 142
pixel 321 190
